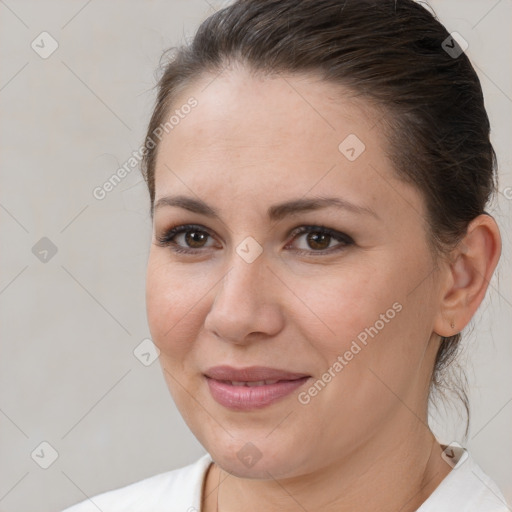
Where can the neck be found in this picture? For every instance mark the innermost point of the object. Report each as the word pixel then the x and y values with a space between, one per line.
pixel 400 476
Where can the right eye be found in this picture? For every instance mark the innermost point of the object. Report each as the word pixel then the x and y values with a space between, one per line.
pixel 193 238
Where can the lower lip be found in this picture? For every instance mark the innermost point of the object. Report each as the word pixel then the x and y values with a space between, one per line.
pixel 244 398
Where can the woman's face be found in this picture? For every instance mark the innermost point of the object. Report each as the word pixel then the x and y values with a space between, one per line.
pixel 343 318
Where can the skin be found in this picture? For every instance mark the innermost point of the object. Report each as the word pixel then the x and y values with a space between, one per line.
pixel 362 443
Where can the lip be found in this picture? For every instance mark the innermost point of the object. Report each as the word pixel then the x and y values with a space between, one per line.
pixel 251 373
pixel 242 397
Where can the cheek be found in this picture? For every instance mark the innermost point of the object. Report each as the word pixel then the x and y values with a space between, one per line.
pixel 350 301
pixel 369 333
pixel 369 311
pixel 173 303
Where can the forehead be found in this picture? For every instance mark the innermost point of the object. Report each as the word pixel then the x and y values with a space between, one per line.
pixel 239 107
pixel 274 137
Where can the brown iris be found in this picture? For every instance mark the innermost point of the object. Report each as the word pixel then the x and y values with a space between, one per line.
pixel 194 238
pixel 318 240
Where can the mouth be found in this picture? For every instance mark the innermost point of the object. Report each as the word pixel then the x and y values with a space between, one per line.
pixel 253 387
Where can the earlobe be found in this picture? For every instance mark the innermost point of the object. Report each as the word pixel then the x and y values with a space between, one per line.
pixel 468 273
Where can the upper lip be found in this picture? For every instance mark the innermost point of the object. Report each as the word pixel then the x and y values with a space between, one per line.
pixel 251 374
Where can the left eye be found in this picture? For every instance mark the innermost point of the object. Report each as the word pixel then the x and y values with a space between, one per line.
pixel 318 238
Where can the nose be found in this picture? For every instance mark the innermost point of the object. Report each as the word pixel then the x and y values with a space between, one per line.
pixel 246 304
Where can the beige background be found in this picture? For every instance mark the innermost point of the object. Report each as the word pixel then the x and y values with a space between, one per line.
pixel 69 325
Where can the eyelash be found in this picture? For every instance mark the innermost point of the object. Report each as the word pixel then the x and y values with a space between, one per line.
pixel 166 239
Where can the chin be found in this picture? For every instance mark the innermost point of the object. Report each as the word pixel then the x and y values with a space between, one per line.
pixel 258 459
pixel 260 470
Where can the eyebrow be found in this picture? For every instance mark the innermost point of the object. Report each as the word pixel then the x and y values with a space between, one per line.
pixel 275 212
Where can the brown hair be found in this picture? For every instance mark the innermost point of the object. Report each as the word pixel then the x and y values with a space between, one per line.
pixel 395 54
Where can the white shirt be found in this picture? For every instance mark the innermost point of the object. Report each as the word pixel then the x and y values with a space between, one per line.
pixel 465 489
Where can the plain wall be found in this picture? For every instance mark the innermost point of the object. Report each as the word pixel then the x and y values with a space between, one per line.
pixel 69 325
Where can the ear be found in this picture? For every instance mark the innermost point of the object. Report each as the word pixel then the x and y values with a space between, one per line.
pixel 469 270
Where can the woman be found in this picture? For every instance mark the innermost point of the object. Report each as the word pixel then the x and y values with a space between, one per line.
pixel 318 174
